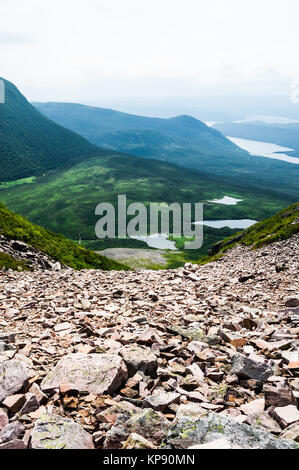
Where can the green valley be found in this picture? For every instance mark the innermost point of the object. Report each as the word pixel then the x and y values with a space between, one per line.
pixel 64 201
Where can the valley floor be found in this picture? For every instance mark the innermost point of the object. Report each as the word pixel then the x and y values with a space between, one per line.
pixel 136 258
pixel 174 345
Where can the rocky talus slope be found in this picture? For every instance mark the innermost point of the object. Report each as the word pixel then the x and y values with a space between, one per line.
pixel 31 258
pixel 198 357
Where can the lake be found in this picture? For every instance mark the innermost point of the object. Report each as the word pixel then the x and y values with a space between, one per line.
pixel 265 149
pixel 160 241
pixel 157 240
pixel 231 223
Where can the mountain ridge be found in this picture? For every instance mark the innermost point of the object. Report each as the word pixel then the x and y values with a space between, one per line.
pixel 31 144
pixel 182 140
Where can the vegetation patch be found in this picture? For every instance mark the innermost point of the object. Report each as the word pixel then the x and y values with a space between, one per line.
pixel 13 226
pixel 8 262
pixel 279 227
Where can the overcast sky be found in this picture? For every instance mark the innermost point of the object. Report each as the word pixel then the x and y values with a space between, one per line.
pixel 88 50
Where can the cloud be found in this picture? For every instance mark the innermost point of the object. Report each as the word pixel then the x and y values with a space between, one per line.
pixel 91 49
pixel 16 38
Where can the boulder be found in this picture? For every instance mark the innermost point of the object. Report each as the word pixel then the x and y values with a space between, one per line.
pixel 292 432
pixel 149 336
pixel 253 406
pixel 278 396
pixel 285 415
pixel 265 420
pixel 12 431
pixel 213 426
pixel 55 432
pixel 13 445
pixel 249 368
pixel 14 402
pixel 189 411
pixel 217 444
pixel 161 400
pixel 139 359
pixel 147 423
pixel 292 302
pixel 40 396
pixel 109 415
pixel 93 373
pixel 31 404
pixel 135 441
pixel 232 338
pixel 13 375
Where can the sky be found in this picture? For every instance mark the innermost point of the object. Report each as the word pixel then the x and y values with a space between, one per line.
pixel 92 50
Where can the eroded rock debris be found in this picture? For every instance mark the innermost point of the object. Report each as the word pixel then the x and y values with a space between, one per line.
pixel 33 258
pixel 196 357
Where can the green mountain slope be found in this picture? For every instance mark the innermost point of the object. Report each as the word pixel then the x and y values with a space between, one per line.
pixel 13 226
pixel 278 227
pixel 181 140
pixel 31 144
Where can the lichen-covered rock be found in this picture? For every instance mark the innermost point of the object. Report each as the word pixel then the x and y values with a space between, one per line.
pixel 217 444
pixel 109 414
pixel 292 432
pixel 135 441
pixel 190 333
pixel 93 373
pixel 55 432
pixel 189 411
pixel 13 375
pixel 211 427
pixel 148 423
pixel 265 420
pixel 139 359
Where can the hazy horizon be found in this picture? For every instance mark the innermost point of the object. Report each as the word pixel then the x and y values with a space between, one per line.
pixel 96 51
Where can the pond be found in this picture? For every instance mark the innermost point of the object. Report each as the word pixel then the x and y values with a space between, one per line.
pixel 227 200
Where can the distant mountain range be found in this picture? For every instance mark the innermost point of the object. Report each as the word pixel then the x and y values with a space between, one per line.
pixel 182 140
pixel 174 139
